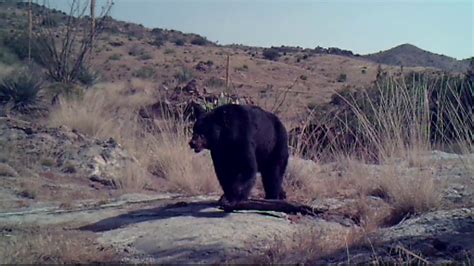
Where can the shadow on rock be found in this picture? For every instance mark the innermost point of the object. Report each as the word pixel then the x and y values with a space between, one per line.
pixel 194 209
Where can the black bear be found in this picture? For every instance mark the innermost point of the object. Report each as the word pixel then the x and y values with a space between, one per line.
pixel 243 140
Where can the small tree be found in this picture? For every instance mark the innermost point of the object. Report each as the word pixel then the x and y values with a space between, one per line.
pixel 179 42
pixel 65 50
pixel 199 40
pixel 271 53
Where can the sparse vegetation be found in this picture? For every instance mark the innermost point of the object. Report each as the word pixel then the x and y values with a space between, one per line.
pixel 88 77
pixel 20 89
pixel 169 51
pixel 115 57
pixel 65 59
pixel 214 82
pixel 145 72
pixel 184 75
pixel 7 57
pixel 199 40
pixel 179 42
pixel 342 77
pixel 34 244
pixel 366 153
pixel 271 54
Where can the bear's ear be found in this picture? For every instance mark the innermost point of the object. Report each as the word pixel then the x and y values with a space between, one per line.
pixel 199 111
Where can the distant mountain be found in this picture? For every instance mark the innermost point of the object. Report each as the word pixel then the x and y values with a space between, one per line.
pixel 410 56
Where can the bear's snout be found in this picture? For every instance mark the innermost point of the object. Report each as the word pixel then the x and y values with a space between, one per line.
pixel 197 144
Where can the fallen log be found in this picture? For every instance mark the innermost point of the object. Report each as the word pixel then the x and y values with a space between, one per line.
pixel 290 208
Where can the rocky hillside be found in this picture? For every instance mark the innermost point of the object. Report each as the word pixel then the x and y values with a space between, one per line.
pixel 408 55
pixel 169 58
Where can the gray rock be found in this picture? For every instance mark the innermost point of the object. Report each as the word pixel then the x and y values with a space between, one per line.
pixel 7 170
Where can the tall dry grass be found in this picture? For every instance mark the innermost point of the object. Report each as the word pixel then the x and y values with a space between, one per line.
pixel 111 110
pixel 399 123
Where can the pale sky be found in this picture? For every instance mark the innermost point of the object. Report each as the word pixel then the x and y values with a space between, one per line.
pixel 363 26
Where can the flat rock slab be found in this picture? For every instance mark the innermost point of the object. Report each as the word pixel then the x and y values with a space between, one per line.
pixel 171 229
pixel 195 233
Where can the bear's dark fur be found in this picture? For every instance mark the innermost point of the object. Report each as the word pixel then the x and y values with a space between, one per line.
pixel 243 140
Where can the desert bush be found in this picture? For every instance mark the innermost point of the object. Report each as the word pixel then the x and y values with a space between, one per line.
pixel 342 77
pixel 158 42
pixel 63 53
pixel 271 53
pixel 7 57
pixel 179 42
pixel 145 56
pixel 87 76
pixel 115 57
pixel 20 89
pixel 169 51
pixel 157 31
pixel 184 75
pixel 136 51
pixel 51 21
pixel 145 72
pixel 199 40
pixel 242 68
pixel 214 82
pixel 18 44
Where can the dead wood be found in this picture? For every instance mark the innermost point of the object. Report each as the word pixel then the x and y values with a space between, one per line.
pixel 291 208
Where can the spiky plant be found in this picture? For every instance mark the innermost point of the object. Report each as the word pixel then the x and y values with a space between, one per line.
pixel 20 89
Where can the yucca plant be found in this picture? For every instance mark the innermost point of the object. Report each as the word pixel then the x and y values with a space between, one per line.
pixel 20 89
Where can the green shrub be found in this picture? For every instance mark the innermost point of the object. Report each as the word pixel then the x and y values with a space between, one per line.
pixel 51 21
pixel 115 57
pixel 184 75
pixel 88 77
pixel 136 51
pixel 304 77
pixel 145 56
pixel 179 42
pixel 199 40
pixel 18 44
pixel 342 77
pixel 242 68
pixel 20 88
pixel 271 53
pixel 214 82
pixel 7 57
pixel 169 51
pixel 146 72
pixel 158 42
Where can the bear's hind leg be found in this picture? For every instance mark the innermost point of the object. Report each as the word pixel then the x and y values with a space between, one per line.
pixel 272 180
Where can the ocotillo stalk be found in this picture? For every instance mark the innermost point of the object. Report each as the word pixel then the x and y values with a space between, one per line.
pixel 92 22
pixel 227 74
pixel 30 29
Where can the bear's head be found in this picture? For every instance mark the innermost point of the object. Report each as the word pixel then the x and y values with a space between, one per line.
pixel 205 133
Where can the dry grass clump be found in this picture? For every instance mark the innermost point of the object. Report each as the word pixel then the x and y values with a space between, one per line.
pixel 408 193
pixel 33 245
pixel 163 152
pixel 302 181
pixel 308 245
pixel 171 158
